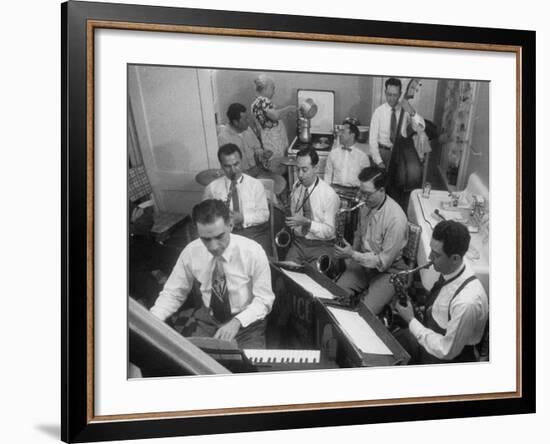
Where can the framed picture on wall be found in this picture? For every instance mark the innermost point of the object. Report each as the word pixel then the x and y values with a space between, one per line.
pixel 149 92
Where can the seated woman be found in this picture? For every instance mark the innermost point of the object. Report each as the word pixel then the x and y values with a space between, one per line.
pixel 268 121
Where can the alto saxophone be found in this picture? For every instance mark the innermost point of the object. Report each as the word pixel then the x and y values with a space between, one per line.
pixel 325 264
pixel 284 237
pixel 389 316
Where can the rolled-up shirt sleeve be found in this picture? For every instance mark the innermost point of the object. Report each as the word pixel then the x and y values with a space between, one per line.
pixel 393 241
pixel 262 293
pixel 176 289
pixel 448 346
pixel 395 238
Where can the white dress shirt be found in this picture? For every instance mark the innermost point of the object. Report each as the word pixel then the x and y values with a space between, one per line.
pixel 324 204
pixel 469 314
pixel 247 275
pixel 343 166
pixel 379 131
pixel 252 198
pixel 247 142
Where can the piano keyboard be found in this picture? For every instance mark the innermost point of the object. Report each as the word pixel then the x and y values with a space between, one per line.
pixel 274 356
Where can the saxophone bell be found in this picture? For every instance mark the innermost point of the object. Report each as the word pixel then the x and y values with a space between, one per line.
pixel 325 264
pixel 284 236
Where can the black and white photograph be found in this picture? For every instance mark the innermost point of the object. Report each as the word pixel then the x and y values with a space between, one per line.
pixel 286 221
pixel 279 221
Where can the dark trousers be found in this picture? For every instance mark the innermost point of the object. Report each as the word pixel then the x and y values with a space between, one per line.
pixel 259 233
pixel 309 250
pixel 199 322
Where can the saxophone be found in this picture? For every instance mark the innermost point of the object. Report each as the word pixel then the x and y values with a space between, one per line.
pixel 400 281
pixel 284 237
pixel 325 264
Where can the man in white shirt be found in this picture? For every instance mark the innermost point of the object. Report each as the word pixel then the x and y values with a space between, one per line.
pixel 345 162
pixel 234 277
pixel 313 207
pixel 244 195
pixel 239 132
pixel 383 129
pixel 457 307
pixel 381 235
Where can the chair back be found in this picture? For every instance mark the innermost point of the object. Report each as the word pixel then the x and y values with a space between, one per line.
pixel 411 249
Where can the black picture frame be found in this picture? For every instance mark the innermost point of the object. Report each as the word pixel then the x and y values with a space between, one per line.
pixel 78 423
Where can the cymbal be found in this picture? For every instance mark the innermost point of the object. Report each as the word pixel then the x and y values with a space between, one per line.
pixel 288 161
pixel 207 176
pixel 279 181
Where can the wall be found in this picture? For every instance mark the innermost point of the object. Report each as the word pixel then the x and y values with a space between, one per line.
pixel 174 121
pixel 353 94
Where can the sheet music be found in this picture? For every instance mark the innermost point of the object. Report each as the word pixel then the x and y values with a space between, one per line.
pixel 362 335
pixel 309 284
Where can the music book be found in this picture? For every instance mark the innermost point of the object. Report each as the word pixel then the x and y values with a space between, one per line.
pixel 309 284
pixel 360 332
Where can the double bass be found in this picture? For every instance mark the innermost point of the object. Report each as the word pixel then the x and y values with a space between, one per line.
pixel 405 167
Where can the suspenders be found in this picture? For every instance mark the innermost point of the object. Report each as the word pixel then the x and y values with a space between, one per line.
pixel 458 290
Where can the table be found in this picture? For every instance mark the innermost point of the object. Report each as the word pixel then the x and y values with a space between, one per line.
pixel 421 211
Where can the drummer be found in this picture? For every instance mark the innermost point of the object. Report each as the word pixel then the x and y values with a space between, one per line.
pixel 244 195
pixel 238 132
pixel 345 161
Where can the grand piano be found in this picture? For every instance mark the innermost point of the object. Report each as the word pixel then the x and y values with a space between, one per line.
pixel 312 326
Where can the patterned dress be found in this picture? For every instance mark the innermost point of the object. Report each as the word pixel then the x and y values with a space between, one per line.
pixel 273 132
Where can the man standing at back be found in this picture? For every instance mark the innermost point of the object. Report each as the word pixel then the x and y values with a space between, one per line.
pixel 384 123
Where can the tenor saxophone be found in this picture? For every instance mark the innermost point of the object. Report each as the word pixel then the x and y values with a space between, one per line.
pixel 324 263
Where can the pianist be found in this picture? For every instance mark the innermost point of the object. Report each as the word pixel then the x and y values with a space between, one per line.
pixel 234 277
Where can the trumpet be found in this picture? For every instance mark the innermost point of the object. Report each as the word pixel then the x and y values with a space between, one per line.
pixel 324 263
